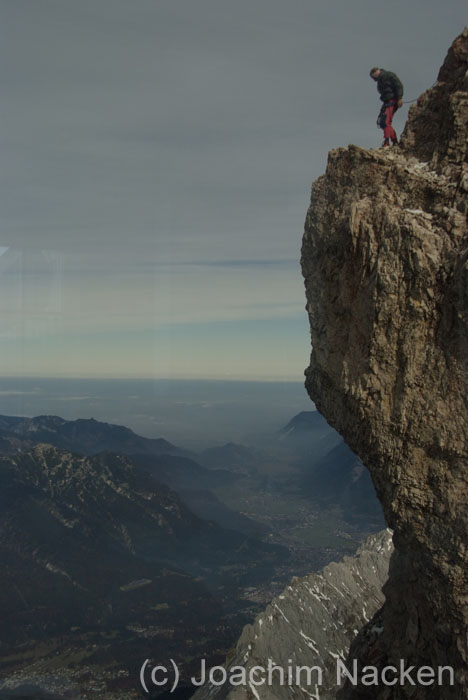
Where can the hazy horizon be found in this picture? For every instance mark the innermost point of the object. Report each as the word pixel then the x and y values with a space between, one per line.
pixel 193 414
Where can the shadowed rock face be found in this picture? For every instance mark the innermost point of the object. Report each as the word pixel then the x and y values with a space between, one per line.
pixel 385 262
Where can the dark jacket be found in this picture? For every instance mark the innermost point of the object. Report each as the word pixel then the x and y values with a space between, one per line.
pixel 389 86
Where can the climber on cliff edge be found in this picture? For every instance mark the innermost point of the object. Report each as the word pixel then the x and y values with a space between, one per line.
pixel 390 89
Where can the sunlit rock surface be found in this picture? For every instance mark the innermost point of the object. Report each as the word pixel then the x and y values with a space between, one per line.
pixel 385 261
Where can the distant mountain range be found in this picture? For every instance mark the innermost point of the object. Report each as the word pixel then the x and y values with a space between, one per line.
pixel 311 423
pixel 236 458
pixel 165 462
pixel 85 436
pixel 308 434
pixel 330 472
pixel 105 530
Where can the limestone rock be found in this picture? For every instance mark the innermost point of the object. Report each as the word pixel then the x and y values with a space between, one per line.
pixel 385 262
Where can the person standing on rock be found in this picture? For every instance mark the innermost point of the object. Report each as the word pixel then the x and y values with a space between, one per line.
pixel 390 89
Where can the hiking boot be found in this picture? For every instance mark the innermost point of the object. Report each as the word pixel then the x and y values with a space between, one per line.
pixel 395 141
pixel 386 142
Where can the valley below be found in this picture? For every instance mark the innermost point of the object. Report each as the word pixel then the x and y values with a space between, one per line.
pixel 117 548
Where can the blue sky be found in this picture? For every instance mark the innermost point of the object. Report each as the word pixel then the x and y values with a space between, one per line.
pixel 157 158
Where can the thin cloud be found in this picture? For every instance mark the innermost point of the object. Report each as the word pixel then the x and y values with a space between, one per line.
pixel 162 153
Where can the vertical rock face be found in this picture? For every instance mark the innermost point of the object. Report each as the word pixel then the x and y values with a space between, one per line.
pixel 385 261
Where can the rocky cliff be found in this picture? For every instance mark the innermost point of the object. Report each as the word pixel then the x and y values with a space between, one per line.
pixel 385 262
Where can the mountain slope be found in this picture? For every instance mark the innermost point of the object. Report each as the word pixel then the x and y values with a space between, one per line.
pixel 165 462
pixel 235 458
pixel 73 530
pixel 339 478
pixel 86 436
pixel 331 474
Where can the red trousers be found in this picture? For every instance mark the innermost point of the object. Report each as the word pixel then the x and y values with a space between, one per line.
pixel 388 110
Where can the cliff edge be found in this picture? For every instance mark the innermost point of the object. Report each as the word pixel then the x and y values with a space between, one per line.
pixel 385 262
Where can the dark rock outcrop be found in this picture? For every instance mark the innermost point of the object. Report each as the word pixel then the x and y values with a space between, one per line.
pixel 385 261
